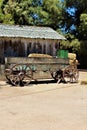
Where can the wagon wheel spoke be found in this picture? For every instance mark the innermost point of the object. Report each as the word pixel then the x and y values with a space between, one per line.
pixel 27 77
pixel 14 80
pixel 75 76
pixel 66 75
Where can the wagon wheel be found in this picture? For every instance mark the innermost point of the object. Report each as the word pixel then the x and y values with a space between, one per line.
pixel 21 75
pixel 71 74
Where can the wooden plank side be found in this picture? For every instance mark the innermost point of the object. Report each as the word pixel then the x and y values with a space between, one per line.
pixel 26 60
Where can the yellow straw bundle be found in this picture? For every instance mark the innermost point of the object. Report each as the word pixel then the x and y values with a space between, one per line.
pixel 40 55
pixel 71 56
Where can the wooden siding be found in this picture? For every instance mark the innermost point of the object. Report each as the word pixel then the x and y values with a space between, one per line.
pixel 21 47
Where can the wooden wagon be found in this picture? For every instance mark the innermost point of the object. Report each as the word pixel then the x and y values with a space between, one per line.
pixel 22 70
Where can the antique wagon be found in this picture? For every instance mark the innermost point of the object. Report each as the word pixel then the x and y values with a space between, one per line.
pixel 22 70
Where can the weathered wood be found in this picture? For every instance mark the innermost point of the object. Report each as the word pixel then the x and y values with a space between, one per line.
pixel 36 60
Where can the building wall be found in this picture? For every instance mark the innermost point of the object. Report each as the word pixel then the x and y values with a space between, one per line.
pixel 1 52
pixel 20 47
pixel 42 46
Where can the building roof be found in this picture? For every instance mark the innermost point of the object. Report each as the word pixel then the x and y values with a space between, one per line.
pixel 29 32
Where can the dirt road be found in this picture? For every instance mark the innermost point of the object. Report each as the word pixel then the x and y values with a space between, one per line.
pixel 44 106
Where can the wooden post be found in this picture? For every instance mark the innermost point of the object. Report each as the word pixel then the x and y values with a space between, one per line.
pixel 1 52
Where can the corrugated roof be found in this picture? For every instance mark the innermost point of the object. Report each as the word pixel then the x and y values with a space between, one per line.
pixel 29 32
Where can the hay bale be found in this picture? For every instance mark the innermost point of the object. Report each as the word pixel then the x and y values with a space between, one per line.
pixel 77 62
pixel 83 82
pixel 73 62
pixel 71 56
pixel 39 55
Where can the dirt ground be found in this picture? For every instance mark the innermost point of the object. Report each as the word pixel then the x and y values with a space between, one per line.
pixel 44 106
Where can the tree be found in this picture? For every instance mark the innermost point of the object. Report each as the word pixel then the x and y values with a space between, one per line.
pixel 76 25
pixel 54 9
pixel 33 12
pixel 17 9
pixel 73 11
pixel 83 27
pixel 1 13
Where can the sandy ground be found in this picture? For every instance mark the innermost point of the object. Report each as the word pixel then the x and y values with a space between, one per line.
pixel 44 106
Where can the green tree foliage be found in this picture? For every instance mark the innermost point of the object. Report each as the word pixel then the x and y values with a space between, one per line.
pixel 33 12
pixel 71 44
pixel 76 15
pixel 18 10
pixel 54 9
pixel 79 7
pixel 83 27
pixel 1 13
pixel 76 25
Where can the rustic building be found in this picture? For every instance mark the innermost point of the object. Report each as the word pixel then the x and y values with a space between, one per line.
pixel 19 41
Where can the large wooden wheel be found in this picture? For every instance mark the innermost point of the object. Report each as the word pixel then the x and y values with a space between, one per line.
pixel 71 74
pixel 20 75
